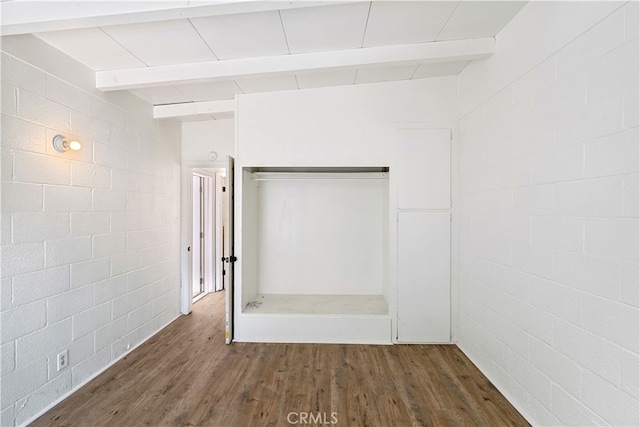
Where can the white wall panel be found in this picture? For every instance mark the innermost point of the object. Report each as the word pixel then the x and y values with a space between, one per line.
pixel 249 223
pixel 424 169
pixel 321 236
pixel 423 277
pixel 343 126
pixel 201 138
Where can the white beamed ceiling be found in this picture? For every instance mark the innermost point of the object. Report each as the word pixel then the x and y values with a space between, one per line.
pixel 209 45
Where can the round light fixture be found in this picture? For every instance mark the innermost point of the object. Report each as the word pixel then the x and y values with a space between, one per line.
pixel 213 155
pixel 62 144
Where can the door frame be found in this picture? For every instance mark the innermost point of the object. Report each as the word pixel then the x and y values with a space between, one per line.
pixel 212 226
pixel 186 230
pixel 230 258
pixel 199 211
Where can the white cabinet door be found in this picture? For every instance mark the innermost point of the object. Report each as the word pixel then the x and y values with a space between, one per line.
pixel 424 168
pixel 423 277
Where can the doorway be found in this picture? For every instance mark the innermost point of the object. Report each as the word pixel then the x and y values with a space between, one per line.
pixel 208 220
pixel 214 207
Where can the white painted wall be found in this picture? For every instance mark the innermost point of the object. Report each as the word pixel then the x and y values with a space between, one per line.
pixel 338 126
pixel 89 238
pixel 250 232
pixel 549 224
pixel 319 237
pixel 200 138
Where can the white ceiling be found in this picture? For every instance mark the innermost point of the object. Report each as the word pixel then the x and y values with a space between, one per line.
pixel 227 35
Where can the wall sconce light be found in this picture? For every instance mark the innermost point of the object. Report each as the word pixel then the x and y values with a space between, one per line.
pixel 62 144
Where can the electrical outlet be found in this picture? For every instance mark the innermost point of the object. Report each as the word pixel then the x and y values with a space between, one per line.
pixel 63 360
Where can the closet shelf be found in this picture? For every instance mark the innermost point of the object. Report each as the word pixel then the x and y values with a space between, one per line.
pixel 317 304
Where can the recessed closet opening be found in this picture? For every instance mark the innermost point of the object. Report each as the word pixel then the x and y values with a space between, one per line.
pixel 315 240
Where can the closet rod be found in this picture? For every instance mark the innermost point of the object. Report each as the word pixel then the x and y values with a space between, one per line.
pixel 281 176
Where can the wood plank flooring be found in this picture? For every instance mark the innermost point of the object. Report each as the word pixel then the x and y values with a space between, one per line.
pixel 187 376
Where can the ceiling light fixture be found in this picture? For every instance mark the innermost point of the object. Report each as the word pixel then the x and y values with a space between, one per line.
pixel 62 144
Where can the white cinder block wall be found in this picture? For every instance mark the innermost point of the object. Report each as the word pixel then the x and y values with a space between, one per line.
pixel 89 238
pixel 549 224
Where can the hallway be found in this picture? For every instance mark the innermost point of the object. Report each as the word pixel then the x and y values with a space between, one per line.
pixel 186 375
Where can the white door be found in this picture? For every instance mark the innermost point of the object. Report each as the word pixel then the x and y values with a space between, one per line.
pixel 423 277
pixel 424 202
pixel 229 259
pixel 197 246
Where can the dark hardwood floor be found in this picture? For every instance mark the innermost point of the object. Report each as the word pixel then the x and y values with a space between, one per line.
pixel 186 376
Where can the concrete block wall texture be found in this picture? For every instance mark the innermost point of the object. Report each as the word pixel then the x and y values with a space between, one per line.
pixel 549 238
pixel 90 239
